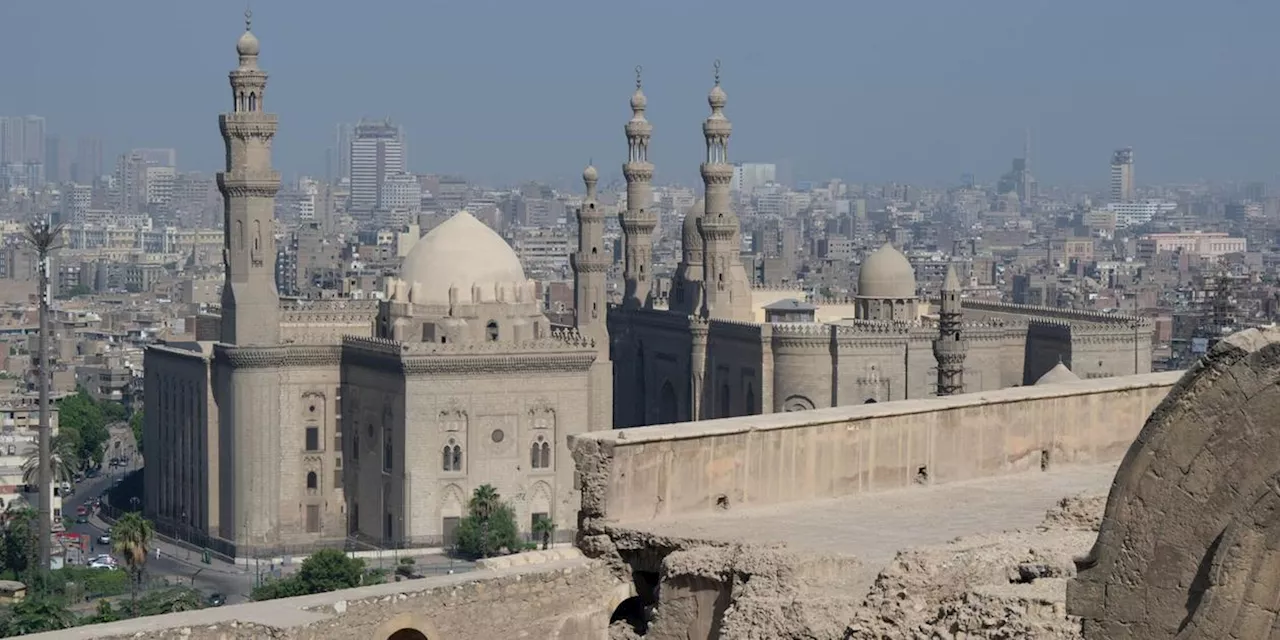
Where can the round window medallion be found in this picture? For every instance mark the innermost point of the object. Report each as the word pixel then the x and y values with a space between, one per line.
pixel 498 435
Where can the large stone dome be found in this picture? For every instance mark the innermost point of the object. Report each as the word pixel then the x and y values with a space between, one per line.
pixel 690 237
pixel 886 273
pixel 461 252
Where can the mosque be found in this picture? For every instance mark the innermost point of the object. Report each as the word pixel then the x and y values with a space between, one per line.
pixel 295 424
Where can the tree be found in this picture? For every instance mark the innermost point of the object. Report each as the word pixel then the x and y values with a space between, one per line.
pixel 78 290
pixel 105 613
pixel 544 528
pixel 45 238
pixel 114 411
pixel 19 544
pixel 63 458
pixel 85 415
pixel 490 525
pixel 131 539
pixel 172 600
pixel 323 571
pixel 37 614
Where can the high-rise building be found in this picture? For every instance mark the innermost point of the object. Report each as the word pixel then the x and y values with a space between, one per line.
pixel 87 166
pixel 158 157
pixel 343 146
pixel 377 153
pixel 749 175
pixel 1122 175
pixel 57 161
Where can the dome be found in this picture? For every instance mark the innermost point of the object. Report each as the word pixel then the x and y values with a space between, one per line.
pixel 638 101
pixel 717 97
pixel 247 45
pixel 461 252
pixel 886 273
pixel 590 174
pixel 1058 374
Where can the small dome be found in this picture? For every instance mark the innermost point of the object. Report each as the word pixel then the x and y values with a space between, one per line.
pixel 1057 375
pixel 689 236
pixel 717 97
pixel 638 101
pixel 590 174
pixel 886 273
pixel 461 252
pixel 247 45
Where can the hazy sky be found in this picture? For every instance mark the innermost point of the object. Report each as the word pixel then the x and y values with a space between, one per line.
pixel 867 90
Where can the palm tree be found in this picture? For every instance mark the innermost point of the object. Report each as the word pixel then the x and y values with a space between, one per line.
pixel 63 459
pixel 131 538
pixel 543 528
pixel 44 237
pixel 484 500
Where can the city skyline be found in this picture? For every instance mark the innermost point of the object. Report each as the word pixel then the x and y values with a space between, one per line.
pixel 962 86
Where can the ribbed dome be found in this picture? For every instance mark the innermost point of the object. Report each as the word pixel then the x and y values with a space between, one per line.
pixel 461 252
pixel 1058 374
pixel 886 273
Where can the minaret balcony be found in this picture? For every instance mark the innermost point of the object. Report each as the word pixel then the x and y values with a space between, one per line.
pixel 590 262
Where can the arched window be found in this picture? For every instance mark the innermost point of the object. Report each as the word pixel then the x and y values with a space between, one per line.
pixel 312 482
pixel 253 102
pixel 534 458
pixel 446 461
pixel 387 450
pixel 457 458
pixel 546 455
pixel 492 329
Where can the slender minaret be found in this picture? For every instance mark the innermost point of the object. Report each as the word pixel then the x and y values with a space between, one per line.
pixel 250 303
pixel 639 220
pixel 590 267
pixel 949 348
pixel 727 294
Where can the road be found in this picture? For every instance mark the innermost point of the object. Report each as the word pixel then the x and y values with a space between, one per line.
pixel 176 563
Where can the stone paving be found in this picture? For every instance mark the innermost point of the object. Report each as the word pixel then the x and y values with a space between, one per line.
pixel 874 526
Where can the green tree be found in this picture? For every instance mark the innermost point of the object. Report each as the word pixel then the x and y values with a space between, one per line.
pixel 34 615
pixel 78 290
pixel 490 525
pixel 172 600
pixel 63 456
pixel 18 546
pixel 135 425
pixel 105 613
pixel 323 571
pixel 131 539
pixel 83 414
pixel 114 411
pixel 544 528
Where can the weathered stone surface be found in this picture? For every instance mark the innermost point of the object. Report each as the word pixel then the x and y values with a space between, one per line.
pixel 1187 545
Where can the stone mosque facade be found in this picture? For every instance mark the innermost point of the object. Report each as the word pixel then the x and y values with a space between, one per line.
pixel 309 423
pixel 702 353
pixel 293 424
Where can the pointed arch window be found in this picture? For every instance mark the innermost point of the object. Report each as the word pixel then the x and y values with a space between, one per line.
pixel 451 456
pixel 313 482
pixel 492 330
pixel 540 453
pixel 253 101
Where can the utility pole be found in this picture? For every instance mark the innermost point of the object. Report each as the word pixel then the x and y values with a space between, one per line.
pixel 43 236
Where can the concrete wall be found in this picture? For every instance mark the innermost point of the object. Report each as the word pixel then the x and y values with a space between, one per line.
pixel 569 599
pixel 693 468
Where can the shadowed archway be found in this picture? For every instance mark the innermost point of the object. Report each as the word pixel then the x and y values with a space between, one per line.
pixel 406 626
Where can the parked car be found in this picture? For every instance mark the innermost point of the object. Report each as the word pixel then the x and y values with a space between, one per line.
pixel 103 562
pixel 217 599
pixel 104 538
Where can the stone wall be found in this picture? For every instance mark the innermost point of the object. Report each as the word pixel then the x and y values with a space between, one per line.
pixel 568 599
pixel 695 468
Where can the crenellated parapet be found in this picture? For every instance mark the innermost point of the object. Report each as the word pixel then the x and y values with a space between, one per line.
pixel 277 356
pixel 563 351
pixel 1057 316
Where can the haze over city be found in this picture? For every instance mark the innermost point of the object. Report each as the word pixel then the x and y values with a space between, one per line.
pixel 506 91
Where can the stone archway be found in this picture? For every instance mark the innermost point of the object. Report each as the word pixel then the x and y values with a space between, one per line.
pixel 406 626
pixel 1189 546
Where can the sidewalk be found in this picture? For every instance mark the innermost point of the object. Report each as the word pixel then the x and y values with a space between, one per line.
pixel 177 552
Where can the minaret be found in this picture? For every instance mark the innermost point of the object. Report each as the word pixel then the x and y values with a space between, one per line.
pixel 639 220
pixel 727 293
pixel 250 303
pixel 590 267
pixel 950 347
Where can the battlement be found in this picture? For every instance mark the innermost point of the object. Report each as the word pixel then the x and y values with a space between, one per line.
pixel 1054 315
pixel 562 340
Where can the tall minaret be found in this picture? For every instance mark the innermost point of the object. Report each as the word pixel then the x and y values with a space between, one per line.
pixel 590 266
pixel 250 303
pixel 950 347
pixel 727 293
pixel 639 220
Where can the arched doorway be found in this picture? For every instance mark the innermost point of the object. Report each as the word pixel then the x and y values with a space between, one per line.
pixel 408 634
pixel 668 410
pixel 726 405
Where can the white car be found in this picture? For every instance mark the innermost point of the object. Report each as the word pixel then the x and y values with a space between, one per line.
pixel 103 562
